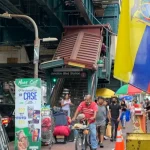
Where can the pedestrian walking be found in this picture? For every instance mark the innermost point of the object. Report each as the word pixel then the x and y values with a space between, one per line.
pixel 101 120
pixel 123 115
pixel 115 114
pixel 106 104
pixel 132 110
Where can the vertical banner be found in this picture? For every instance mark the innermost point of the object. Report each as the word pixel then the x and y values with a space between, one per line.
pixel 28 114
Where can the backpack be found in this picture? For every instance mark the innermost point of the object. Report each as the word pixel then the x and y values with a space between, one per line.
pixel 60 119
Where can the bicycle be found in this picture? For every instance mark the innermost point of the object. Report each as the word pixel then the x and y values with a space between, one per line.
pixel 83 138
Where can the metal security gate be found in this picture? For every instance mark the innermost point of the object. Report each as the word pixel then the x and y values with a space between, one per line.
pixel 3 137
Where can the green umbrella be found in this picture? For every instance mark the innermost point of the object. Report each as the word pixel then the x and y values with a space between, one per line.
pixel 122 90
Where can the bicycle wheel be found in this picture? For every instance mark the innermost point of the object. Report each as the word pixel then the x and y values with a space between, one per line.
pixel 87 141
pixel 80 143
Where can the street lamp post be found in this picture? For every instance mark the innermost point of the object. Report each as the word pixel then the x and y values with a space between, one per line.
pixel 36 41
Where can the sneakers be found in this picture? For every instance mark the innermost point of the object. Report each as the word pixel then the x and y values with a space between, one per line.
pixel 113 139
pixel 101 145
pixel 105 137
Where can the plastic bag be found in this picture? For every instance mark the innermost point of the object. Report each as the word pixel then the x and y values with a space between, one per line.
pixel 108 130
pixel 128 115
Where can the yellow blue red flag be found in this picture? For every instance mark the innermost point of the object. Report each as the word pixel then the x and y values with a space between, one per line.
pixel 132 61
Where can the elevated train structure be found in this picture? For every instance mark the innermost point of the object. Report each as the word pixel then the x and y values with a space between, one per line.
pixel 86 31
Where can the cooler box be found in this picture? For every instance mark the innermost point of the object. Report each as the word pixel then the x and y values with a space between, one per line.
pixel 138 111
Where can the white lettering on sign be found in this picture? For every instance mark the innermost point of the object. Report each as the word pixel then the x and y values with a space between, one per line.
pixel 56 73
pixel 33 82
pixel 65 73
pixel 33 147
pixel 74 73
pixel 23 82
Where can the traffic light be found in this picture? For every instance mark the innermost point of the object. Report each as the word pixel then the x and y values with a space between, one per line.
pixel 54 80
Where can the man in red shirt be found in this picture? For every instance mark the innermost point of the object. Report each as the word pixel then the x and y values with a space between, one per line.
pixel 135 104
pixel 89 109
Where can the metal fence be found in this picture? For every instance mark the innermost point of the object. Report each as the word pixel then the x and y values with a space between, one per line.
pixel 3 137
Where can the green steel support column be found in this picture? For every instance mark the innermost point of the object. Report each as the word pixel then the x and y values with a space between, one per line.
pixel 88 4
pixel 60 14
pixel 108 54
pixel 96 83
pixel 49 86
pixel 89 82
pixel 53 4
pixel 107 42
pixel 86 8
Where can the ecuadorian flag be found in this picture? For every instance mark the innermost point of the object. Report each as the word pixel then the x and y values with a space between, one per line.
pixel 132 61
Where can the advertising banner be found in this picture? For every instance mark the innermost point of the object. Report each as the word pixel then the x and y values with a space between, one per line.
pixel 139 124
pixel 28 114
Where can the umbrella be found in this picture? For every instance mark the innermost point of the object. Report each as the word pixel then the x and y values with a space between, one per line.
pixel 128 90
pixel 126 97
pixel 104 92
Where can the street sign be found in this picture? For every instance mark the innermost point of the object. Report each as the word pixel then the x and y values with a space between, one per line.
pixel 28 114
pixel 69 74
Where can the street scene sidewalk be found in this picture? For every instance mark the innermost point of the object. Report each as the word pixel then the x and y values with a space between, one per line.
pixel 108 145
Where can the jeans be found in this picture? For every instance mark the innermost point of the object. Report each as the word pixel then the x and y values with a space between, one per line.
pixel 93 138
pixel 114 124
pixel 75 133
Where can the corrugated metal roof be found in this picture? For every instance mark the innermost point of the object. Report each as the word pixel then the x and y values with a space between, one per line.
pixel 81 47
pixel 66 46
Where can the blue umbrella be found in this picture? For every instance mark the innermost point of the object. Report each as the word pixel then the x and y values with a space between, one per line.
pixel 126 97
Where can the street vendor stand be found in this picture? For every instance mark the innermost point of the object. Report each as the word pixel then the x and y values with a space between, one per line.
pixel 139 124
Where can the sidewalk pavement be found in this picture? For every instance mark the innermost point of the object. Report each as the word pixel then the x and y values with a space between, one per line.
pixel 108 145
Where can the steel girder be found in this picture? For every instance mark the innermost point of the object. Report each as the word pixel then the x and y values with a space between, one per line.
pixel 6 5
pixel 86 9
pixel 48 10
pixel 104 2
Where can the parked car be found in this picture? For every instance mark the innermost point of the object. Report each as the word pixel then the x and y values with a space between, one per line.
pixel 8 119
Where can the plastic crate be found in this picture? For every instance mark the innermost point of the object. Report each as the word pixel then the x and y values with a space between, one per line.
pixel 112 10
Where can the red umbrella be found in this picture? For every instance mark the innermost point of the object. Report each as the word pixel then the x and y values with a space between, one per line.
pixel 133 90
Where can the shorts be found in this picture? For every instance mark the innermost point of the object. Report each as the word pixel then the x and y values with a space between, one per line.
pixel 101 130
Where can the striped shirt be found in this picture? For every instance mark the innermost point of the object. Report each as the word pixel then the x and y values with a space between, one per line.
pixel 88 110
